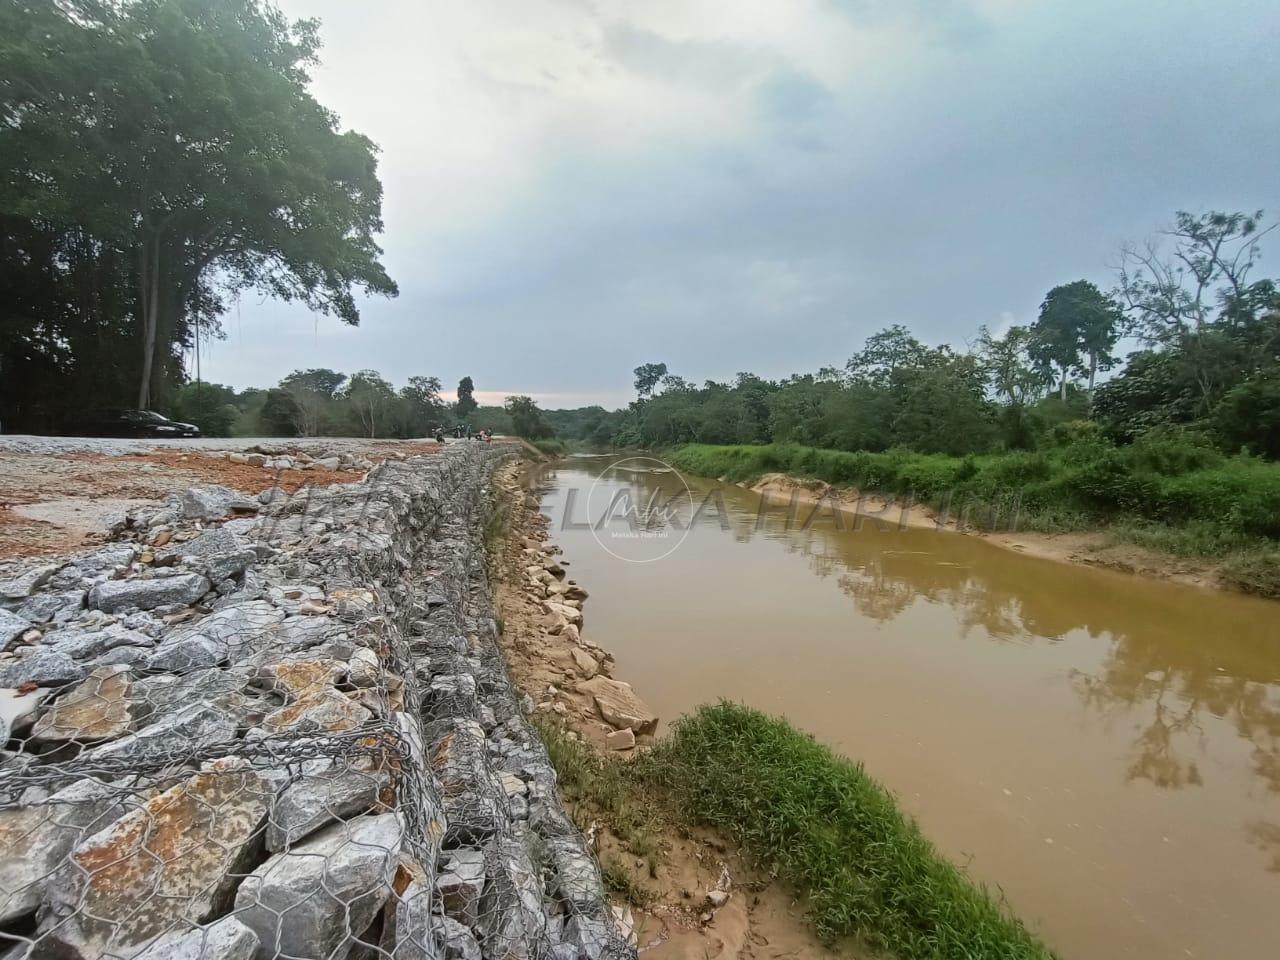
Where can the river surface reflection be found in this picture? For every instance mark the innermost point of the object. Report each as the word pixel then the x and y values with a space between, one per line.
pixel 1104 749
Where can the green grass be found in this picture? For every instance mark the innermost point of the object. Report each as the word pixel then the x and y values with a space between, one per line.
pixel 805 815
pixel 1169 495
pixel 828 830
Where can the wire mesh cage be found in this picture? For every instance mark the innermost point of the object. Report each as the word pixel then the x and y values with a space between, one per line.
pixel 289 735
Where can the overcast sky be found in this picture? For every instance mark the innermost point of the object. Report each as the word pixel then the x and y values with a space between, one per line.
pixel 577 187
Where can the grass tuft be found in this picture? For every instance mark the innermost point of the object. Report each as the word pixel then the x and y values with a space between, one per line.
pixel 824 827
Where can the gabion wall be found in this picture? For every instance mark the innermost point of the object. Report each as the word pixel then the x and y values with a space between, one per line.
pixel 286 733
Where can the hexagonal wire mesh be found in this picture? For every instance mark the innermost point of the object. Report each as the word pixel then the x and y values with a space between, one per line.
pixel 310 748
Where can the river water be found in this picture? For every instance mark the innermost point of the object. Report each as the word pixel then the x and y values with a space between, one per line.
pixel 1102 748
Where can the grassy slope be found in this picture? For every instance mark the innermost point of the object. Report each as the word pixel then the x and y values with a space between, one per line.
pixel 1186 502
pixel 812 818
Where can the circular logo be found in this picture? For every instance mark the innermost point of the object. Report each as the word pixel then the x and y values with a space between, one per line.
pixel 640 509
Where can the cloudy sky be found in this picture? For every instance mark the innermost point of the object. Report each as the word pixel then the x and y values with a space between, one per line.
pixel 574 187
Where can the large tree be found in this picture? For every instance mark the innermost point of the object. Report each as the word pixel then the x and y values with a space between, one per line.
pixel 466 404
pixel 1077 328
pixel 182 133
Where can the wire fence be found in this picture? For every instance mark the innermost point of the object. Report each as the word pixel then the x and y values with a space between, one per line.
pixel 314 751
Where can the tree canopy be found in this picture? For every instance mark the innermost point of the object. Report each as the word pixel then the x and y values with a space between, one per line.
pixel 159 156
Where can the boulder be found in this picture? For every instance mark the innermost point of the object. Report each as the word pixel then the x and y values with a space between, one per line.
pixel 173 860
pixel 59 606
pixel 460 884
pixel 328 790
pixel 319 712
pixel 89 645
pixel 453 941
pixel 41 666
pixel 623 739
pixel 574 878
pixel 513 921
pixel 315 899
pixel 471 795
pixel 96 709
pixel 27 582
pixel 585 662
pixel 194 728
pixel 35 840
pixel 214 502
pixel 113 595
pixel 12 627
pixel 230 633
pixel 227 939
pixel 619 706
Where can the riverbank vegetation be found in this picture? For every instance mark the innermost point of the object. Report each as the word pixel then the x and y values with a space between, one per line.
pixel 1176 450
pixel 816 821
pixel 1163 491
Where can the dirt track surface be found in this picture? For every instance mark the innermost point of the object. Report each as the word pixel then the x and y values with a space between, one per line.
pixel 56 492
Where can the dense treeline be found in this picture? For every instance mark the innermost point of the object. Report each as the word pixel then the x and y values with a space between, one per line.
pixel 325 403
pixel 1208 370
pixel 157 157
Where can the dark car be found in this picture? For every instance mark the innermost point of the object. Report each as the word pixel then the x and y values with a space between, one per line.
pixel 135 423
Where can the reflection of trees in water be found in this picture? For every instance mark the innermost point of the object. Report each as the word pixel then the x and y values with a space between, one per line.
pixel 1178 694
pixel 1266 837
pixel 1155 751
pixel 1176 658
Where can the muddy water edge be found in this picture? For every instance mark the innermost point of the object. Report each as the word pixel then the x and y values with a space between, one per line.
pixel 1102 748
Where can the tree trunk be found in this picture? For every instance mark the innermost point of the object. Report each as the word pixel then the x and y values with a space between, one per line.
pixel 149 281
pixel 1093 372
pixel 1062 393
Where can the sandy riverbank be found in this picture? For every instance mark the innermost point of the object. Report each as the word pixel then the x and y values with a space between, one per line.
pixel 1092 548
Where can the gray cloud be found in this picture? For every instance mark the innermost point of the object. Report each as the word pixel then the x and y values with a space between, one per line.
pixel 569 193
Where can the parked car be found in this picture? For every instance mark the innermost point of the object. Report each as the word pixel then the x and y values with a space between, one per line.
pixel 135 423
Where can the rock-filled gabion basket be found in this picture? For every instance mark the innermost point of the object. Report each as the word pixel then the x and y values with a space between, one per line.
pixel 281 728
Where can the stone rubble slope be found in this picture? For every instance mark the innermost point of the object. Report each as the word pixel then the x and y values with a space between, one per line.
pixel 283 728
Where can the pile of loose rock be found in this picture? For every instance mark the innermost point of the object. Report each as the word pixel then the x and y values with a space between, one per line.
pixel 271 458
pixel 282 728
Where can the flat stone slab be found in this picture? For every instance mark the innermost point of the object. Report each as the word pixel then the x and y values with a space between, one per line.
pixel 619 706
pixel 315 899
pixel 96 709
pixel 113 595
pixel 170 860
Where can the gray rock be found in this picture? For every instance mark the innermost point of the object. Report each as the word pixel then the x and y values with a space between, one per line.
pixel 228 939
pixel 460 884
pixel 514 922
pixel 575 879
pixel 218 554
pixel 196 727
pixel 96 709
pixel 82 645
pixel 455 942
pixel 12 627
pixel 60 606
pixel 42 666
pixel 473 799
pixel 214 502
pixel 170 861
pixel 113 595
pixel 35 840
pixel 165 694
pixel 230 633
pixel 105 561
pixel 314 900
pixel 407 932
pixel 328 790
pixel 27 582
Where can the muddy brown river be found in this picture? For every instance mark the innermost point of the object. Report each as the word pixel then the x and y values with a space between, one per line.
pixel 1102 748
